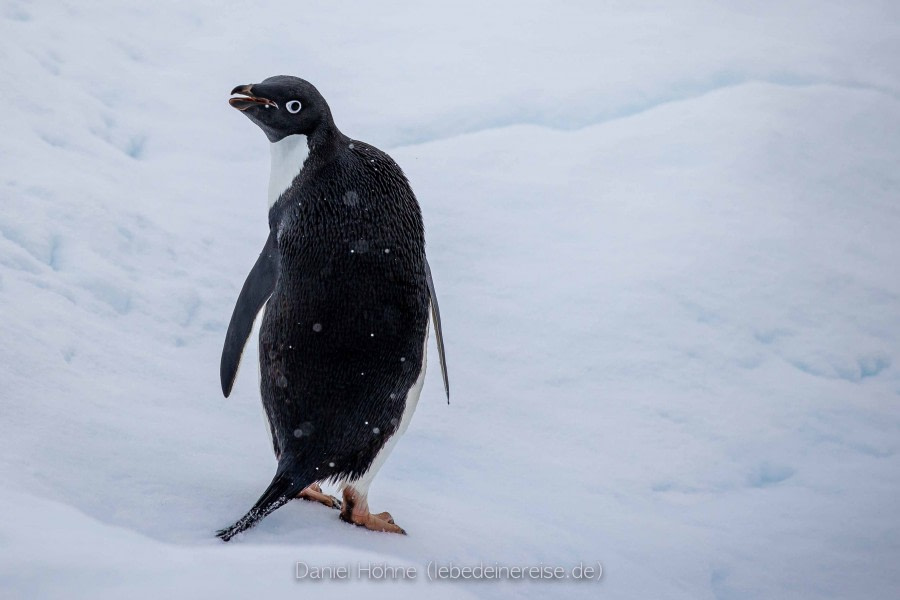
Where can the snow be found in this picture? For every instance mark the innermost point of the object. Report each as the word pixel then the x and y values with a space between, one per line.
pixel 665 243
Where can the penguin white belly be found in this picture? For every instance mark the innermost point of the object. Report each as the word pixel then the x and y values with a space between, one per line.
pixel 361 484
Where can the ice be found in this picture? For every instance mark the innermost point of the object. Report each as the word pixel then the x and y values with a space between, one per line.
pixel 665 242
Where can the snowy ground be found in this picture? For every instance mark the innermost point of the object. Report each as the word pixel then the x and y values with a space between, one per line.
pixel 666 245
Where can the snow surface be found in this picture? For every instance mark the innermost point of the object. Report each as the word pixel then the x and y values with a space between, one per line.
pixel 665 239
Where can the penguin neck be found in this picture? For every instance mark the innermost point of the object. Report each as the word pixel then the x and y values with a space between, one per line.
pixel 289 155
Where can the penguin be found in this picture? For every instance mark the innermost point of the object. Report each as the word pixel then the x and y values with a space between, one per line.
pixel 347 300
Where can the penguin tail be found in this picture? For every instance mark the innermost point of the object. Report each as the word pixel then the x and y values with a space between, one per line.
pixel 287 483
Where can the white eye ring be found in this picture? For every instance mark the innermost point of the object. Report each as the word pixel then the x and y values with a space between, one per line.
pixel 293 106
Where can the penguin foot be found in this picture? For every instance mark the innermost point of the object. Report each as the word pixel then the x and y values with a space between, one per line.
pixel 356 510
pixel 314 493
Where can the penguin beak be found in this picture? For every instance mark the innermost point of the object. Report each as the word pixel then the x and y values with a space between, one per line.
pixel 247 99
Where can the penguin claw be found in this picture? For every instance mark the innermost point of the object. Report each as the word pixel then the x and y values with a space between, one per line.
pixel 386 516
pixel 314 493
pixel 356 511
pixel 374 522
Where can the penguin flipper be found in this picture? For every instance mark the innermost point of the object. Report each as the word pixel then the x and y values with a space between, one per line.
pixel 257 288
pixel 439 334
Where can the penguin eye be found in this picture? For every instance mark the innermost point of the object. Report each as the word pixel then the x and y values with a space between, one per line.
pixel 293 106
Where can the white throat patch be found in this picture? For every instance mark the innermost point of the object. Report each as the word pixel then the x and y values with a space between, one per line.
pixel 288 157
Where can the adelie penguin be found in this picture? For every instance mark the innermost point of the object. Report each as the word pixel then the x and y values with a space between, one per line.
pixel 346 294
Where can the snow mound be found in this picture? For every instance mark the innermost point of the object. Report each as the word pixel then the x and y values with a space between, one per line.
pixel 665 240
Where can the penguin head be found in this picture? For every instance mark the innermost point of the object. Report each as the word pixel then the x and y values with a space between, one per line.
pixel 283 106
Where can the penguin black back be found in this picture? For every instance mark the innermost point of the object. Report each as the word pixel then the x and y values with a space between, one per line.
pixel 351 229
